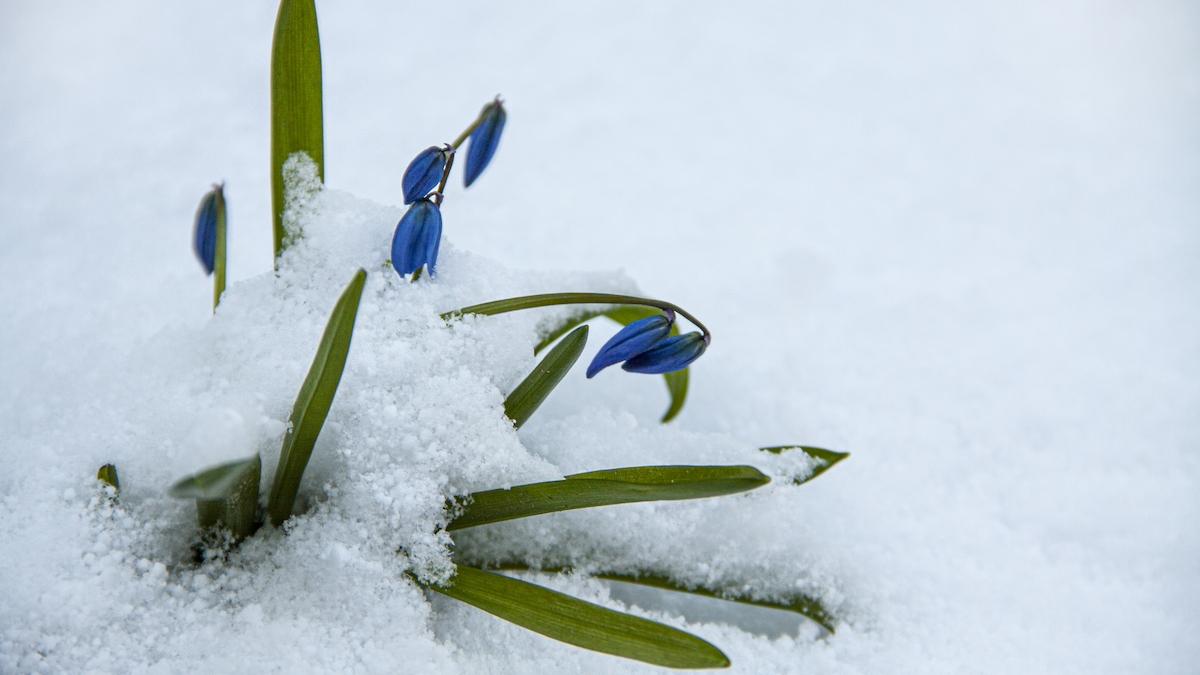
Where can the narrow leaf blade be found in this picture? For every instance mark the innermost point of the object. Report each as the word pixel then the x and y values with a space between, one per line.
pixel 296 109
pixel 604 488
pixel 583 624
pixel 533 390
pixel 314 400
pixel 827 458
pixel 799 603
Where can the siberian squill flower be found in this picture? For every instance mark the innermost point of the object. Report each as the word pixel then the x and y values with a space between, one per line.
pixel 423 173
pixel 484 140
pixel 418 235
pixel 632 340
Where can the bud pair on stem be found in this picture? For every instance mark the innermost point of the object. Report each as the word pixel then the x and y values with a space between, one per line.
pixel 419 233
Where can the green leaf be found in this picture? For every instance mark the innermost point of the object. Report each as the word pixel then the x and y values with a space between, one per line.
pixel 314 400
pixel 677 387
pixel 534 389
pixel 581 623
pixel 296 112
pixel 108 475
pixel 800 604
pixel 827 458
pixel 677 382
pixel 219 255
pixel 602 488
pixel 225 494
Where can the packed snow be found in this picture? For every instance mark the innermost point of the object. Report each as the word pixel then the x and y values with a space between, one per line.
pixel 957 241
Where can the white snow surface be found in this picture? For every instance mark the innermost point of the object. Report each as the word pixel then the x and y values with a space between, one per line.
pixel 957 240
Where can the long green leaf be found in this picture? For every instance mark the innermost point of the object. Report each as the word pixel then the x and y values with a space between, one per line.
pixel 296 111
pixel 799 603
pixel 583 624
pixel 677 382
pixel 314 400
pixel 225 494
pixel 827 458
pixel 533 390
pixel 602 488
pixel 219 255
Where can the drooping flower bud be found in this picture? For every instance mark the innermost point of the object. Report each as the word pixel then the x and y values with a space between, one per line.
pixel 423 173
pixel 669 355
pixel 205 242
pixel 418 235
pixel 632 340
pixel 484 140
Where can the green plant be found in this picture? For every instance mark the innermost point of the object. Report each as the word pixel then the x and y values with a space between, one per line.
pixel 227 496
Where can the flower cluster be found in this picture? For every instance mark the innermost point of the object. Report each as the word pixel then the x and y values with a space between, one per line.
pixel 228 499
pixel 419 232
pixel 647 346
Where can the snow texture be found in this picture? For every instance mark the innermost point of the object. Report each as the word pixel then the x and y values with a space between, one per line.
pixel 956 240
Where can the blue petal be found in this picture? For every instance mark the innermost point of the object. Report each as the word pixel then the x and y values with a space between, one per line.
pixel 205 242
pixel 417 237
pixel 433 240
pixel 630 341
pixel 423 173
pixel 674 353
pixel 484 141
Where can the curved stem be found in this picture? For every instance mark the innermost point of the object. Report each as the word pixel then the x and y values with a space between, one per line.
pixel 462 138
pixel 440 193
pixel 550 299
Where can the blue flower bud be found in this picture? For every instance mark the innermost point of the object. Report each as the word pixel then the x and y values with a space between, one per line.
pixel 418 235
pixel 484 140
pixel 673 353
pixel 632 340
pixel 205 242
pixel 423 173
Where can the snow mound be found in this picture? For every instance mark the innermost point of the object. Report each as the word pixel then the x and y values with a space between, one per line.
pixel 418 418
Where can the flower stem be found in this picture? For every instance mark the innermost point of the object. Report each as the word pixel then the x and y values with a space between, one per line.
pixel 462 138
pixel 451 148
pixel 550 299
pixel 440 193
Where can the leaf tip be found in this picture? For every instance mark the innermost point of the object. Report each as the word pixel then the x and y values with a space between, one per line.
pixel 108 475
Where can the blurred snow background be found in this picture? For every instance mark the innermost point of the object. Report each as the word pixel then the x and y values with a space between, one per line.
pixel 958 240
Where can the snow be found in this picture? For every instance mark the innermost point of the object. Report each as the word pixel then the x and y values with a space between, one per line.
pixel 957 241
